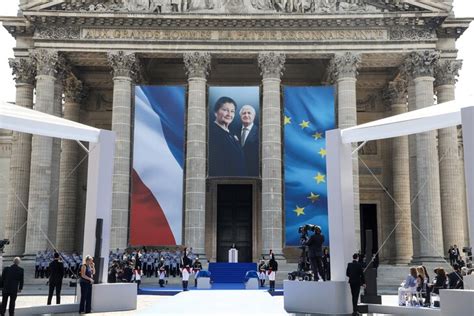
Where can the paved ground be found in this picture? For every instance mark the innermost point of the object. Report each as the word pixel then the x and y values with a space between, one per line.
pixel 195 303
pixel 144 302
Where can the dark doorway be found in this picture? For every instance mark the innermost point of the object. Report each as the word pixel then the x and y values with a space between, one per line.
pixel 368 220
pixel 234 221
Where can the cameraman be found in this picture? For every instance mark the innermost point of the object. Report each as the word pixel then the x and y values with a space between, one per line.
pixel 315 253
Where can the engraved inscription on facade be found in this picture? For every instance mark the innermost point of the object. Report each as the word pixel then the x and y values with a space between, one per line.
pixel 236 35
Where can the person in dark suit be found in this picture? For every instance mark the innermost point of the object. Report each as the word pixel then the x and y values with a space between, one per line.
pixel 86 281
pixel 355 273
pixel 249 138
pixel 272 270
pixel 455 279
pixel 226 157
pixel 56 274
pixel 12 285
pixel 315 253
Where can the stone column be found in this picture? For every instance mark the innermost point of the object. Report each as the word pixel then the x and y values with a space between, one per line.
pixel 124 67
pixel 463 188
pixel 66 222
pixel 343 70
pixel 197 66
pixel 421 65
pixel 452 210
pixel 56 150
pixel 397 97
pixel 413 177
pixel 40 173
pixel 24 71
pixel 272 66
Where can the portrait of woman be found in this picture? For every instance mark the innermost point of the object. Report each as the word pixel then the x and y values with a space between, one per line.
pixel 226 157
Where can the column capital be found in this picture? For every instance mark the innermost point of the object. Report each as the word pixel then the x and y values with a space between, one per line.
pixel 271 64
pixel 24 69
pixel 124 64
pixel 421 63
pixel 74 90
pixel 63 69
pixel 344 65
pixel 396 92
pixel 197 64
pixel 46 61
pixel 446 71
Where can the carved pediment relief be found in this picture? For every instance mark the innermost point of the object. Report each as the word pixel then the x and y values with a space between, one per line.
pixel 239 6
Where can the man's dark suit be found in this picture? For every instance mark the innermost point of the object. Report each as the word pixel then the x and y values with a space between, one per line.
pixel 56 274
pixel 12 284
pixel 315 254
pixel 251 150
pixel 356 280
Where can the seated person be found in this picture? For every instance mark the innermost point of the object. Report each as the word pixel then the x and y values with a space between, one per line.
pixel 407 287
pixel 455 280
pixel 420 284
pixel 440 281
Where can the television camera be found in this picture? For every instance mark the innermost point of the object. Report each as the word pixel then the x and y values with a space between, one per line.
pixel 303 264
pixel 4 242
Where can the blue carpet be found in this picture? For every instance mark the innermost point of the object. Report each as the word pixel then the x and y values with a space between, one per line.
pixel 222 272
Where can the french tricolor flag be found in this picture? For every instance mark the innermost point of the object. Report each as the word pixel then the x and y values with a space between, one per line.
pixel 158 158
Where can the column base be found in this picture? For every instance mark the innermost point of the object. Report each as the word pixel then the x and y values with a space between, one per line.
pixel 278 256
pixel 401 261
pixel 28 257
pixel 428 259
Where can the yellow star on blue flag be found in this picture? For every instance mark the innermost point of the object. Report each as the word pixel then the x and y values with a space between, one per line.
pixel 320 178
pixel 317 135
pixel 322 152
pixel 287 120
pixel 304 124
pixel 299 210
pixel 313 197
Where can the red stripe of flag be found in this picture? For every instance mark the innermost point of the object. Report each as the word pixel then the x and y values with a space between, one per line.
pixel 147 216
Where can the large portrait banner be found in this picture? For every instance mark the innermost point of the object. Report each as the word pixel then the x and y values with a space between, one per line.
pixel 308 114
pixel 158 158
pixel 234 135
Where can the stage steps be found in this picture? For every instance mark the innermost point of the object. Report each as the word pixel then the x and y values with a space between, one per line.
pixel 230 272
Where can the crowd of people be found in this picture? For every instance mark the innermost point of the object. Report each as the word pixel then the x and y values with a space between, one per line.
pixel 131 266
pixel 418 288
pixel 455 257
pixel 71 263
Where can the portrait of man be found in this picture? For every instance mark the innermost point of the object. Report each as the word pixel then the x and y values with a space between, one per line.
pixel 248 134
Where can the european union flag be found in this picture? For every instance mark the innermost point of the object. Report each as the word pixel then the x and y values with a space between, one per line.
pixel 308 114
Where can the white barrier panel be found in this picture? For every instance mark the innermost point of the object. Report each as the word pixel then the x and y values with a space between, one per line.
pixel 113 297
pixel 457 302
pixel 204 283
pixel 468 281
pixel 326 298
pixel 46 309
pixel 251 284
